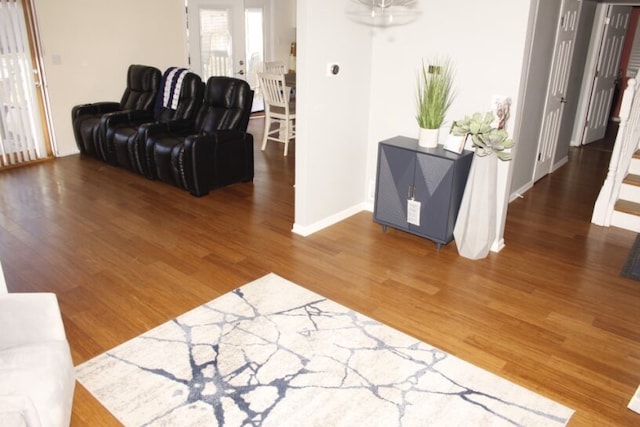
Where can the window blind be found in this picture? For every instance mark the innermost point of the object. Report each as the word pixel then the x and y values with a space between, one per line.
pixel 21 137
pixel 215 43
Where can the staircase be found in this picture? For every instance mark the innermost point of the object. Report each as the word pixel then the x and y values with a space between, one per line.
pixel 618 203
pixel 626 210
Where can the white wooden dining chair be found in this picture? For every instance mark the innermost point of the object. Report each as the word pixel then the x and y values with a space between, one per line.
pixel 275 67
pixel 280 112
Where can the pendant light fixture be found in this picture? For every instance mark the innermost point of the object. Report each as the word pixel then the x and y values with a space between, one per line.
pixel 383 13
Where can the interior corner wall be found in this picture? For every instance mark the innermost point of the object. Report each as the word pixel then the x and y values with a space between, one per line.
pixel 331 114
pixel 486 44
pixel 89 44
pixel 487 60
pixel 283 28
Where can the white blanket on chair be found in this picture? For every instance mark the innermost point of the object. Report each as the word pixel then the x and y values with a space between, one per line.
pixel 172 86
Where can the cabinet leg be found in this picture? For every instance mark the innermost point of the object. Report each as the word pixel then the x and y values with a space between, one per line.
pixel 384 228
pixel 438 246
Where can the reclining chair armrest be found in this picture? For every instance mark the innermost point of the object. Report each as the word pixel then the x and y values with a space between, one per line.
pixel 95 108
pixel 229 136
pixel 114 118
pixel 107 107
pixel 79 112
pixel 175 128
pixel 198 163
pixel 107 123
pixel 158 129
pixel 132 117
pixel 110 118
pixel 140 116
pixel 215 160
pixel 146 130
pixel 149 133
pixel 182 126
pixel 218 140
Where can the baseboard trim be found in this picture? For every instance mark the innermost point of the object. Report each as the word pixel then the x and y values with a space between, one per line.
pixel 498 245
pixel 308 230
pixel 519 193
pixel 66 153
pixel 559 164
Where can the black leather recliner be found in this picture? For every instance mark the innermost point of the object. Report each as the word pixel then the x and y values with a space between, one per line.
pixel 125 134
pixel 140 94
pixel 214 150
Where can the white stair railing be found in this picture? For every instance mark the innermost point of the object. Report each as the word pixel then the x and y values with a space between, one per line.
pixel 626 144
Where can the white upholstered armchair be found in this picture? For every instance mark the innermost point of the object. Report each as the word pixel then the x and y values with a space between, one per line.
pixel 36 371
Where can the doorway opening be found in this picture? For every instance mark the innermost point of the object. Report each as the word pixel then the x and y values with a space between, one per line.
pixel 228 38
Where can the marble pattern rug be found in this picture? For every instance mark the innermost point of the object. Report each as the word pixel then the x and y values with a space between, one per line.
pixel 272 353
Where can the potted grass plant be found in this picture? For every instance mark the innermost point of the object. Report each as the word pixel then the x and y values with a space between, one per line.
pixel 434 96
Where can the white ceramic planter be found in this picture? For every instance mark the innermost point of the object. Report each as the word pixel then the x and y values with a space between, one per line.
pixel 475 227
pixel 428 138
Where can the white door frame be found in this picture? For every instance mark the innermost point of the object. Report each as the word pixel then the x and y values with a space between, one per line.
pixel 566 31
pixel 590 69
pixel 612 29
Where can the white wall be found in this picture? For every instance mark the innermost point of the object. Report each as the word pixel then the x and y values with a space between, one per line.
pixel 332 114
pixel 341 120
pixel 486 44
pixel 88 45
pixel 283 28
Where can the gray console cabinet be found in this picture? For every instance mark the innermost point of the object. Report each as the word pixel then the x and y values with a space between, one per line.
pixel 434 177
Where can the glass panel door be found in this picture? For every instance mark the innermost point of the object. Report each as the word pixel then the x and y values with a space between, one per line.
pixel 22 121
pixel 216 51
pixel 226 38
pixel 216 38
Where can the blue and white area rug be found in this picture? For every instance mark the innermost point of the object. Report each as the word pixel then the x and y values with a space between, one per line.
pixel 272 353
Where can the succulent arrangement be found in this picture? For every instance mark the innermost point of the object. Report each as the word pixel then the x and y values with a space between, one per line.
pixel 485 137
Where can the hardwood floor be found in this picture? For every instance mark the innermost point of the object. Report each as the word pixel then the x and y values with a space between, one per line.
pixel 124 254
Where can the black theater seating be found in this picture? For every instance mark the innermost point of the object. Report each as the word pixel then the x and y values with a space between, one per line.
pixel 126 131
pixel 212 151
pixel 87 119
pixel 198 143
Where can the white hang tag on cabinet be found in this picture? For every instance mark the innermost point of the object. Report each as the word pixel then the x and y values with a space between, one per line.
pixel 413 212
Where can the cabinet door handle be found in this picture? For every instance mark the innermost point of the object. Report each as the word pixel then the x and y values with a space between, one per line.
pixel 410 192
